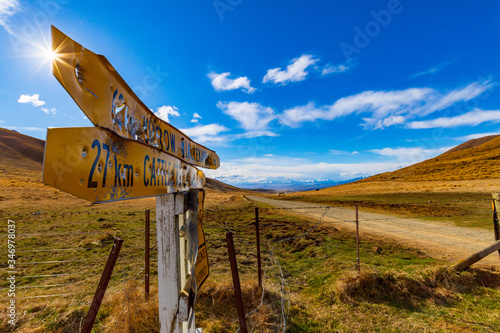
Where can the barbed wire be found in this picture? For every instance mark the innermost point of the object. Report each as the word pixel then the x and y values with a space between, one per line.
pixel 284 289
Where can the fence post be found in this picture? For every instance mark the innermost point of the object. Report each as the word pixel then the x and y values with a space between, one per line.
pixel 169 284
pixel 101 288
pixel 257 232
pixel 357 240
pixel 236 283
pixel 146 264
pixel 496 200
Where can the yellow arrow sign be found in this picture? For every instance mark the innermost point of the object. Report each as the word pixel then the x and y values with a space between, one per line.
pixel 109 102
pixel 97 165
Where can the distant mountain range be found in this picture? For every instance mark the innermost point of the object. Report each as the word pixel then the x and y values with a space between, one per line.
pixel 288 185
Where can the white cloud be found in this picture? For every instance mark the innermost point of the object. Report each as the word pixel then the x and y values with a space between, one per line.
pixel 410 155
pixel 33 100
pixel 221 82
pixel 339 68
pixel 50 111
pixel 385 108
pixel 7 9
pixel 265 168
pixel 476 136
pixel 432 70
pixel 163 112
pixel 251 116
pixel 472 118
pixel 294 72
pixel 196 116
pixel 205 133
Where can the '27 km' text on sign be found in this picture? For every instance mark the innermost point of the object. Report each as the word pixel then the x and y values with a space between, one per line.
pixel 99 166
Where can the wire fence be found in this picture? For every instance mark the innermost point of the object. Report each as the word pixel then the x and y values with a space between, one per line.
pixel 61 263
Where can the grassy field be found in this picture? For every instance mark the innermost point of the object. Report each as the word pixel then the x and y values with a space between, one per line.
pixel 311 282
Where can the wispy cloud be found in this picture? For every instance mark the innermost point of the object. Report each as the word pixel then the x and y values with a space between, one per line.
pixel 222 82
pixel 471 118
pixel 432 70
pixel 476 136
pixel 7 9
pixel 252 117
pixel 196 116
pixel 52 111
pixel 338 68
pixel 164 112
pixel 205 130
pixel 33 100
pixel 385 108
pixel 294 72
pixel 410 155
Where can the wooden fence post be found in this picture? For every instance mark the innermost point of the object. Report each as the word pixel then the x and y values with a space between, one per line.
pixel 464 264
pixel 357 240
pixel 169 284
pixel 171 214
pixel 257 233
pixel 101 288
pixel 236 283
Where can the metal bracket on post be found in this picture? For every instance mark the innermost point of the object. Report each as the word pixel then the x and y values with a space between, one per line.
pixel 496 226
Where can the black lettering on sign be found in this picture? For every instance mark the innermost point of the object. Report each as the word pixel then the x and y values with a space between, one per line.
pixel 146 180
pixel 92 183
pixel 106 147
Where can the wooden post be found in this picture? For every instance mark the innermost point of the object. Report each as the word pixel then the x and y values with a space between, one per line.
pixel 357 240
pixel 146 263
pixel 496 227
pixel 257 233
pixel 101 287
pixel 173 267
pixel 169 284
pixel 236 283
pixel 462 265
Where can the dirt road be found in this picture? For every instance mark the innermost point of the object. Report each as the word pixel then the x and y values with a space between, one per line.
pixel 443 241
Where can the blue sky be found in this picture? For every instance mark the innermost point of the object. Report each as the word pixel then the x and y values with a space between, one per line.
pixel 281 89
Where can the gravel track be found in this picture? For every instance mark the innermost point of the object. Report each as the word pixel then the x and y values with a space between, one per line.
pixel 440 240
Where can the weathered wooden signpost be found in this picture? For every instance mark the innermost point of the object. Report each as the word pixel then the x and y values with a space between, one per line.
pixel 131 153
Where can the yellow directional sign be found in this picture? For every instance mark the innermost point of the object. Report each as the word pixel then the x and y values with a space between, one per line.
pixel 201 267
pixel 97 165
pixel 109 102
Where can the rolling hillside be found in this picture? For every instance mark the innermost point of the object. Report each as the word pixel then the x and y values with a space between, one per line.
pixel 20 151
pixel 473 160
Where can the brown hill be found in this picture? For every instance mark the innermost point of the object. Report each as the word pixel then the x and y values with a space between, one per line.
pixel 20 151
pixel 473 143
pixel 472 160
